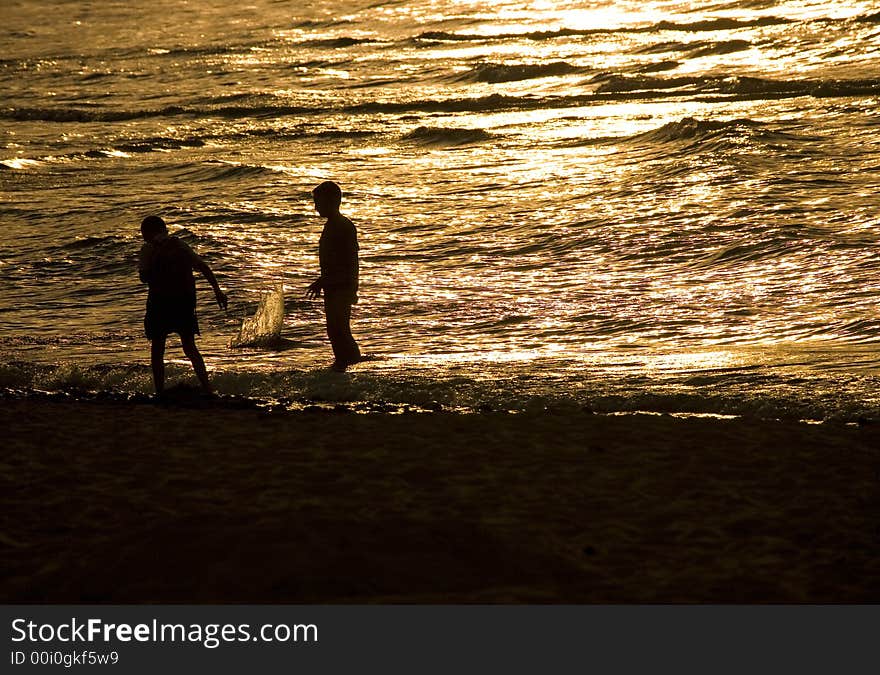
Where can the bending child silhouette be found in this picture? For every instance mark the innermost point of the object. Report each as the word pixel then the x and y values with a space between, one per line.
pixel 338 256
pixel 166 264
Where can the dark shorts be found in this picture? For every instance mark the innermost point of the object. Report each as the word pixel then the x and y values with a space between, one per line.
pixel 340 296
pixel 170 315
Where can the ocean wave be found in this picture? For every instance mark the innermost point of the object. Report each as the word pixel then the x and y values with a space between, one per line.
pixel 152 144
pixel 869 18
pixel 741 86
pixel 202 50
pixel 670 46
pixel 706 25
pixel 294 133
pixel 164 144
pixel 504 72
pixel 338 133
pixel 219 170
pixel 139 52
pixel 722 84
pixel 78 114
pixel 658 66
pixel 339 42
pixel 757 85
pixel 431 37
pixel 476 104
pixel 86 114
pixel 613 83
pixel 157 143
pixel 689 129
pixel 112 241
pixel 738 392
pixel 833 88
pixel 865 331
pixel 609 86
pixel 444 36
pixel 737 4
pixel 736 254
pixel 441 136
pixel 90 77
pixel 710 136
pixel 236 97
pixel 328 23
pixel 718 48
pixel 696 48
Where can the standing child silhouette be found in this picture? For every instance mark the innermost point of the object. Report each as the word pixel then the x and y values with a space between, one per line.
pixel 338 255
pixel 166 264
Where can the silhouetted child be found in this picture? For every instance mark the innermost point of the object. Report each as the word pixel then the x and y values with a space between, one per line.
pixel 338 255
pixel 166 263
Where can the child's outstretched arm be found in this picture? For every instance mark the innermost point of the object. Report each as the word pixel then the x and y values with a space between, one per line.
pixel 202 267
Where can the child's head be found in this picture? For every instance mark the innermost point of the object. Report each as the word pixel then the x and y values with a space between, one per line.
pixel 328 197
pixel 151 227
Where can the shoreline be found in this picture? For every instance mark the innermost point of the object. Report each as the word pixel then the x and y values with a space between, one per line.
pixel 122 502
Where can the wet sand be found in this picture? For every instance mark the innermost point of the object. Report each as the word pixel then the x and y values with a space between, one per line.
pixel 126 502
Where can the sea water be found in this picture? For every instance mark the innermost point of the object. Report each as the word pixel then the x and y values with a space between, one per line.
pixel 660 206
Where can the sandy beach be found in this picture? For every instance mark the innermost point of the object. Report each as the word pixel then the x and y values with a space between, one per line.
pixel 132 502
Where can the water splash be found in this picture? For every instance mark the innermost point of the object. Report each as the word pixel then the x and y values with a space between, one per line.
pixel 263 329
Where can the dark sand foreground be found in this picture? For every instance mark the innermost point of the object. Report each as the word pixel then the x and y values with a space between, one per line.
pixel 122 502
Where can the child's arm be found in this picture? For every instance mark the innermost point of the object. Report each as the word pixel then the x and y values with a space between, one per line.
pixel 202 266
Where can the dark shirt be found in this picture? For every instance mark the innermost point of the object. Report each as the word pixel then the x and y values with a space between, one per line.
pixel 338 253
pixel 166 264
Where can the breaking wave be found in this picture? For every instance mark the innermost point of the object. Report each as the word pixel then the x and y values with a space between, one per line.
pixel 689 128
pixel 738 392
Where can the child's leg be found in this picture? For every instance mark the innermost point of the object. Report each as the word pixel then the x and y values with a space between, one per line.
pixel 157 361
pixel 338 311
pixel 198 363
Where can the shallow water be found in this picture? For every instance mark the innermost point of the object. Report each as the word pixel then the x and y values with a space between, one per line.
pixel 620 205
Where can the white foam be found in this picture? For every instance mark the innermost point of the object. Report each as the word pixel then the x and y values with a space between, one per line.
pixel 19 163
